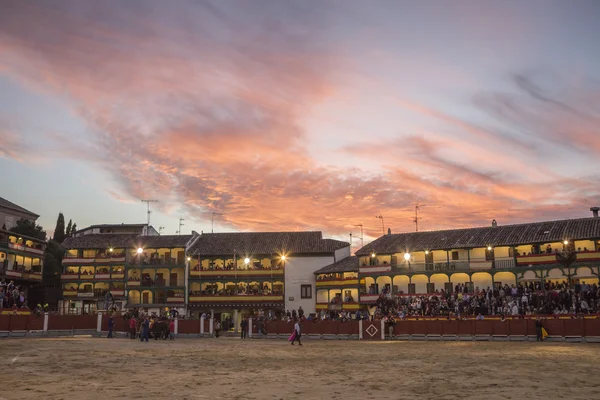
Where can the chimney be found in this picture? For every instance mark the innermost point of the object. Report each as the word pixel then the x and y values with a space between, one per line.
pixel 390 231
pixel 595 210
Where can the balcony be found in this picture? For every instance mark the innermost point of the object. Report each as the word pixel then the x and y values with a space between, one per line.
pixel 102 276
pixel 236 299
pixel 345 306
pixel 588 256
pixel 337 282
pixel 176 299
pixel 70 276
pixel 102 259
pixel 206 273
pixel 70 293
pixel 32 276
pixel 120 276
pixel 537 259
pixel 25 249
pixel 117 292
pixel 473 265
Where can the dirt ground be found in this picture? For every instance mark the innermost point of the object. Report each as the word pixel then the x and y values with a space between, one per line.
pixel 227 368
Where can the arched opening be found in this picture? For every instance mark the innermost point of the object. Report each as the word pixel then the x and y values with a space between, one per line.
pixel 482 281
pixel 419 284
pixel 439 282
pixel 400 284
pixel 507 278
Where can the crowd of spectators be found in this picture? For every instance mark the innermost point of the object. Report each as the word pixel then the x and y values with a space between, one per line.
pixel 11 295
pixel 525 299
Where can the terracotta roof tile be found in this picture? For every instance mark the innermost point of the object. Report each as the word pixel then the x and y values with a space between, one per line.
pixel 502 235
pixel 217 244
pixel 124 240
pixel 348 264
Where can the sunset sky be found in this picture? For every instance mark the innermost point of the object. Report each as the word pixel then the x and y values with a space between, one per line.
pixel 295 115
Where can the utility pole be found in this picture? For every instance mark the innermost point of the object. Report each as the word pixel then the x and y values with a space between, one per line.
pixel 417 218
pixel 212 221
pixel 148 201
pixel 362 241
pixel 180 225
pixel 382 225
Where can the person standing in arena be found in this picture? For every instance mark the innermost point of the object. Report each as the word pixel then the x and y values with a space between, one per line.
pixel 297 333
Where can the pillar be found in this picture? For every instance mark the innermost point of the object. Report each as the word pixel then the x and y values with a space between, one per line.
pixel 176 326
pixel 99 322
pixel 45 322
pixel 360 329
pixel 235 321
pixel 250 328
pixel 211 326
pixel 212 314
pixel 201 326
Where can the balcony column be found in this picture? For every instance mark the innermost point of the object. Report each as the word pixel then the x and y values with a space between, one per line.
pixel 235 321
pixel 469 257
pixel 448 259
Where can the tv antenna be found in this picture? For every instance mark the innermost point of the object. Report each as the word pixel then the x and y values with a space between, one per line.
pixel 180 225
pixel 417 218
pixel 362 241
pixel 148 204
pixel 212 221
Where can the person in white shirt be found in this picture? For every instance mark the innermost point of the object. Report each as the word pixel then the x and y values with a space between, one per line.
pixel 298 334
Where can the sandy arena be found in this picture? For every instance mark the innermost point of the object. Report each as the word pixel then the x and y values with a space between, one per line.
pixel 86 368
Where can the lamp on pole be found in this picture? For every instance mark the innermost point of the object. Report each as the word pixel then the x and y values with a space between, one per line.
pixel 382 225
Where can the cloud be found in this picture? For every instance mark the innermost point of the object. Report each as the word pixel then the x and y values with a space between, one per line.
pixel 201 106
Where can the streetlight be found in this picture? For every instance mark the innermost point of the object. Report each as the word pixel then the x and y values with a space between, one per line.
pixel 246 261
pixel 566 242
pixel 489 248
pixel 110 250
pixel 282 258
pixel 189 258
pixel 407 256
pixel 140 250
pixel 426 251
pixel 372 255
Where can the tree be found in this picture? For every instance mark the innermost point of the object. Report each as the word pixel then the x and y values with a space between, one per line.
pixel 73 229
pixel 69 227
pixel 29 228
pixel 59 231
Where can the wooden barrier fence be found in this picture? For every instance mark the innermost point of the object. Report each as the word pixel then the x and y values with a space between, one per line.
pixel 368 330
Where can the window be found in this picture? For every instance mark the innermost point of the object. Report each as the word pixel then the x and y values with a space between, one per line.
pixel 454 255
pixel 306 291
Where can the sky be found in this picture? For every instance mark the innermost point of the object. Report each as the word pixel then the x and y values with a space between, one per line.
pixel 300 115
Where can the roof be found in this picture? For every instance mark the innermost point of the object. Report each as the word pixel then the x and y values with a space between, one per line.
pixel 506 235
pixel 100 226
pixel 348 264
pixel 12 206
pixel 124 240
pixel 248 243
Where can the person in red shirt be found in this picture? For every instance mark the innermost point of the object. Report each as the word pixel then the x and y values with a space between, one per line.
pixel 132 324
pixel 171 329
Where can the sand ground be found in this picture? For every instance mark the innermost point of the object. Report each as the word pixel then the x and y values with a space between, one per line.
pixel 93 368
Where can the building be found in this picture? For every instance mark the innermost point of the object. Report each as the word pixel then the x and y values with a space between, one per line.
pixel 428 262
pixel 338 286
pixel 10 213
pixel 220 273
pixel 268 272
pixel 124 269
pixel 21 260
